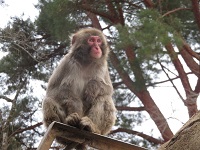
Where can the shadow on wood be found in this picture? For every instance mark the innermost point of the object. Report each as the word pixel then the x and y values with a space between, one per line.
pixel 97 141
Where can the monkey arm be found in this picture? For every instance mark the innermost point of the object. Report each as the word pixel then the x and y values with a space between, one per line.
pixel 61 100
pixel 98 87
pixel 99 106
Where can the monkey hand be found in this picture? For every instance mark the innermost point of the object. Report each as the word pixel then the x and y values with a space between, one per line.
pixel 87 124
pixel 93 89
pixel 73 120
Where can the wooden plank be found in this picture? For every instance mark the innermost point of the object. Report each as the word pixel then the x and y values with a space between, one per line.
pixel 94 140
pixel 48 138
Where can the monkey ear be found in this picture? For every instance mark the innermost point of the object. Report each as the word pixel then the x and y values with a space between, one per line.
pixel 73 39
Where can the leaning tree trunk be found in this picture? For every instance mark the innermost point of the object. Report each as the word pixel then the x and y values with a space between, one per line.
pixel 187 138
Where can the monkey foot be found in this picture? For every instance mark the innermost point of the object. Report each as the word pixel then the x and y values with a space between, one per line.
pixel 73 120
pixel 87 124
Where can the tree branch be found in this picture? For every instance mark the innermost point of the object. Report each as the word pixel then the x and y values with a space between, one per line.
pixel 145 98
pixel 197 87
pixel 148 3
pixel 26 129
pixel 6 98
pixel 146 137
pixel 179 68
pixel 196 11
pixel 21 85
pixel 190 101
pixel 124 108
pixel 174 10
pixel 160 82
pixel 190 51
pixel 176 89
pixel 187 53
pixel 116 84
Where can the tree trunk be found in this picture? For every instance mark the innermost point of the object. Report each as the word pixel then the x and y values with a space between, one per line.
pixel 5 141
pixel 187 138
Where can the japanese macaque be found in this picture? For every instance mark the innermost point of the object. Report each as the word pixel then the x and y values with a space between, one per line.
pixel 79 92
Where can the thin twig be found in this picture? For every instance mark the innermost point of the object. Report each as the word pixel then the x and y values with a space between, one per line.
pixel 174 10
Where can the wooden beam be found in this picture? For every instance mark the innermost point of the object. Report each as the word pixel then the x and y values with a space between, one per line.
pixel 48 138
pixel 97 141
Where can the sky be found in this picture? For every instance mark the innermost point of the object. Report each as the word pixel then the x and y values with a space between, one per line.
pixel 12 8
pixel 166 97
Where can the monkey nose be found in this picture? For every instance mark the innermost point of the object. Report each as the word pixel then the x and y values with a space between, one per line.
pixel 96 48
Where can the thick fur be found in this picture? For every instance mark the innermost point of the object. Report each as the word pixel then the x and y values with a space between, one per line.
pixel 79 92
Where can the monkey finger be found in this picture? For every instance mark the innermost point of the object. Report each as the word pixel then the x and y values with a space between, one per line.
pixel 87 124
pixel 73 120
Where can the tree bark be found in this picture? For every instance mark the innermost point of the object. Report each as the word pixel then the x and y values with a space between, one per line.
pixel 4 141
pixel 196 11
pixel 187 138
pixel 146 99
pixel 191 96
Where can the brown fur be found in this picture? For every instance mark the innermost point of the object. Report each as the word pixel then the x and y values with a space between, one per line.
pixel 80 91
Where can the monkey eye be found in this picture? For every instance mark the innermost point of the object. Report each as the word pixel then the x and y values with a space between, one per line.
pixel 99 41
pixel 94 40
pixel 90 40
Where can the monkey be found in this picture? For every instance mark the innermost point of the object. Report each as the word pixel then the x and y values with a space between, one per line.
pixel 79 92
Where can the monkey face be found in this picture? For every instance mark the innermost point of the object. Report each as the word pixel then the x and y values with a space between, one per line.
pixel 89 46
pixel 95 42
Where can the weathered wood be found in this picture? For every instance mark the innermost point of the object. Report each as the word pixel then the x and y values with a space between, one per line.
pixel 94 140
pixel 48 138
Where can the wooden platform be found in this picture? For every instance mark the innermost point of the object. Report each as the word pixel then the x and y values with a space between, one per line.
pixel 97 141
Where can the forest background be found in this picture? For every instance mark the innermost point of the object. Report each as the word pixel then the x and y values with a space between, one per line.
pixel 154 64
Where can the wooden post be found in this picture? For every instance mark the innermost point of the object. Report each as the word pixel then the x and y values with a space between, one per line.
pixel 48 138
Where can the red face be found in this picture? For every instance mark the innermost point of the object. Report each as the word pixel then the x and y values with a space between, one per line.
pixel 95 42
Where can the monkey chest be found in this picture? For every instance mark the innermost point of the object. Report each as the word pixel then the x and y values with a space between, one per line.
pixel 78 87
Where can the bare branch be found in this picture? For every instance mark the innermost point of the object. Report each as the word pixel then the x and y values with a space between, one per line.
pixel 124 108
pixel 190 51
pixel 149 3
pixel 197 87
pixel 146 137
pixel 25 51
pixel 160 82
pixel 19 88
pixel 26 129
pixel 196 11
pixel 171 82
pixel 6 98
pixel 116 84
pixel 179 67
pixel 174 10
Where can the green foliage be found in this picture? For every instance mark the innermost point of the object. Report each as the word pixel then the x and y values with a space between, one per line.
pixel 20 61
pixel 182 20
pixel 153 34
pixel 147 40
pixel 125 38
pixel 17 68
pixel 56 19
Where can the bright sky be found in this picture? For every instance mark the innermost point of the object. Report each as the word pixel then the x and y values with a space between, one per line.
pixel 165 97
pixel 12 8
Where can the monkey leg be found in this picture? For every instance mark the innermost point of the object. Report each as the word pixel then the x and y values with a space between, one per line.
pixel 74 120
pixel 52 112
pixel 102 113
pixel 84 123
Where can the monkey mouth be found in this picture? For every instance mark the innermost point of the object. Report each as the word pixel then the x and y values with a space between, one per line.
pixel 97 55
